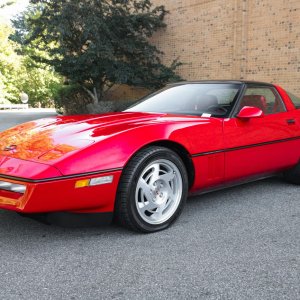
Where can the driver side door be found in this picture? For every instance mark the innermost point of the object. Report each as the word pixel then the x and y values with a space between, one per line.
pixel 262 145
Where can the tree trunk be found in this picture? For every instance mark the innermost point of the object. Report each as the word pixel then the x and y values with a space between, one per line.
pixel 96 98
pixel 98 90
pixel 93 94
pixel 97 93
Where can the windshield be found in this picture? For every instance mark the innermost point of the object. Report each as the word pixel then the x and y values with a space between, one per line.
pixel 208 99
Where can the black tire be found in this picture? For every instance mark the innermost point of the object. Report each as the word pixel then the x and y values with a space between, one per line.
pixel 126 208
pixel 293 175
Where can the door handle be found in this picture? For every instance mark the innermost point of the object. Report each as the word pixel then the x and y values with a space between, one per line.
pixel 291 121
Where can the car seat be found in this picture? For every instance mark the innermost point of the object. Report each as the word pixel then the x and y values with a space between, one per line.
pixel 258 101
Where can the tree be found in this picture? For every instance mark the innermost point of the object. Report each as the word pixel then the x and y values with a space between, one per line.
pixel 18 72
pixel 39 81
pixel 97 43
pixel 10 64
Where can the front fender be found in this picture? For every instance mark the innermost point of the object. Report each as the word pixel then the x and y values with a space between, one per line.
pixel 115 151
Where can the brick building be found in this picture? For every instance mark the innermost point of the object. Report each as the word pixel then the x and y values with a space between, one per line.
pixel 230 39
pixel 234 39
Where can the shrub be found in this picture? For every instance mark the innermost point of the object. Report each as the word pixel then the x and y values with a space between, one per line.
pixel 72 99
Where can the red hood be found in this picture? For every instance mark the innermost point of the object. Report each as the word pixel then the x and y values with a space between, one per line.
pixel 48 139
pixel 73 145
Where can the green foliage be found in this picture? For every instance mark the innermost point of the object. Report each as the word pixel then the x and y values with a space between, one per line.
pixel 40 82
pixel 97 43
pixel 10 65
pixel 20 73
pixel 71 99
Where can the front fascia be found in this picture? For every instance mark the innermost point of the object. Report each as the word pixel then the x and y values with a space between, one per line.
pixel 62 195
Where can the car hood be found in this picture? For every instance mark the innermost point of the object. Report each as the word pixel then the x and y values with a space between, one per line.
pixel 49 139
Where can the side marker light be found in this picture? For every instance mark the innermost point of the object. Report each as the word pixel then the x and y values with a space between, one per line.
pixel 94 181
pixel 82 183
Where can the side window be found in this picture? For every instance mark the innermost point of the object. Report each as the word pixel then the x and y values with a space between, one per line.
pixel 265 98
pixel 295 100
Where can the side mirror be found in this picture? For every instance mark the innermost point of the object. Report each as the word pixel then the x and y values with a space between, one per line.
pixel 248 112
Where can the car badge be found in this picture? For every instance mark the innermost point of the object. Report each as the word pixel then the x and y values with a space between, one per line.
pixel 10 148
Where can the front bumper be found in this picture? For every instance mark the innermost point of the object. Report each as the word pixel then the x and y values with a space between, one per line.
pixel 61 194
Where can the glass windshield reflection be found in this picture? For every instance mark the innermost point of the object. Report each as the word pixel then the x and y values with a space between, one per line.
pixel 190 99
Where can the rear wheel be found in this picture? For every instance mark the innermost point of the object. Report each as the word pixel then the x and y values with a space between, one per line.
pixel 152 190
pixel 293 175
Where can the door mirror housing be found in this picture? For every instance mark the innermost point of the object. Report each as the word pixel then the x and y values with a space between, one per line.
pixel 249 112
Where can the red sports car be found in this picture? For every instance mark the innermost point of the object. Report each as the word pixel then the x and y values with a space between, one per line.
pixel 141 164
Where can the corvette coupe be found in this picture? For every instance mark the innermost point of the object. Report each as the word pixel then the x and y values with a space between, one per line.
pixel 141 164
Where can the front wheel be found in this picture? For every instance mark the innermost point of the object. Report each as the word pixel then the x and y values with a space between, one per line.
pixel 152 190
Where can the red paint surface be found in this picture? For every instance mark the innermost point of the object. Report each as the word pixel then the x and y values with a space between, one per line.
pixel 71 145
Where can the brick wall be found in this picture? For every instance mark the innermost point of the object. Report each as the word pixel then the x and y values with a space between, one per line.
pixel 234 39
pixel 125 92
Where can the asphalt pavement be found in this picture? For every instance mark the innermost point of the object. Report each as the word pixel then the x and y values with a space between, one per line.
pixel 239 243
pixel 13 117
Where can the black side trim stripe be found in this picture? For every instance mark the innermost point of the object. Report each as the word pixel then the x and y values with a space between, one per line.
pixel 60 177
pixel 246 146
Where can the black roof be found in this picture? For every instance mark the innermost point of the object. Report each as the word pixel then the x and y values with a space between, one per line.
pixel 223 81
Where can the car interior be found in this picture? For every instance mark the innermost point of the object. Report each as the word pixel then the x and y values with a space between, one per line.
pixel 259 101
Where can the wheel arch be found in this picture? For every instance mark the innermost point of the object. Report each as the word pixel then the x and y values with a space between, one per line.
pixel 180 150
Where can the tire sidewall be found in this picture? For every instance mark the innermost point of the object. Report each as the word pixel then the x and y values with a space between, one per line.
pixel 160 153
